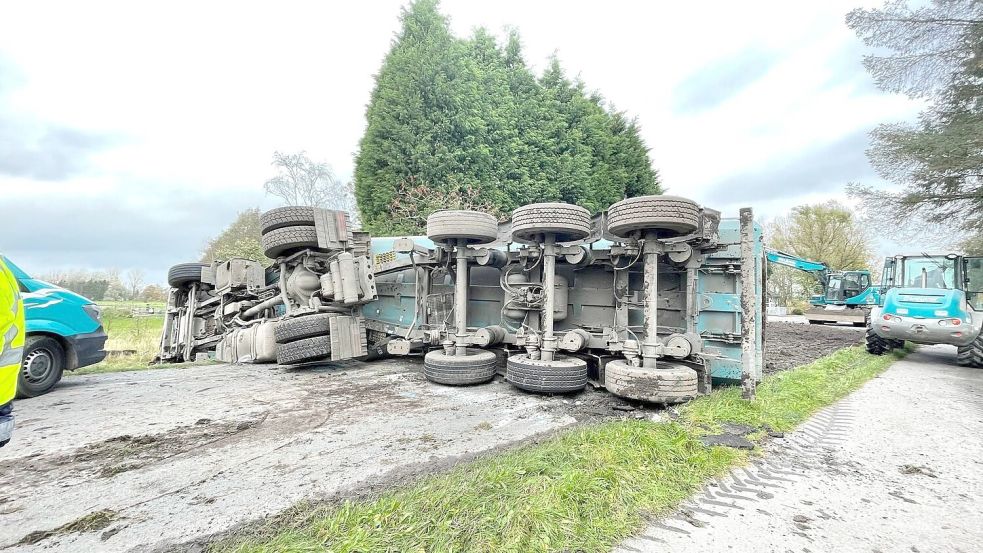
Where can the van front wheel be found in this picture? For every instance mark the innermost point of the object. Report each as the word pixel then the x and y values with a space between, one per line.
pixel 42 367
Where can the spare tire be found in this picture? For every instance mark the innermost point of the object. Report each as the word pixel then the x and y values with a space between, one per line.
pixel 671 215
pixel 290 216
pixel 475 227
pixel 306 326
pixel 567 222
pixel 184 273
pixel 284 240
pixel 317 348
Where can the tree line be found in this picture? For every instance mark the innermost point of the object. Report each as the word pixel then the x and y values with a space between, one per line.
pixel 110 284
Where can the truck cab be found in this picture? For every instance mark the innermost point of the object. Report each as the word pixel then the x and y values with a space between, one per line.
pixel 930 299
pixel 64 333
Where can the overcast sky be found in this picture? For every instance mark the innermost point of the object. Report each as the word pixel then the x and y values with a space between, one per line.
pixel 130 134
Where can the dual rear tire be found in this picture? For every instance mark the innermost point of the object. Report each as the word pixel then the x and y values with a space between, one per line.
pixel 303 339
pixel 287 230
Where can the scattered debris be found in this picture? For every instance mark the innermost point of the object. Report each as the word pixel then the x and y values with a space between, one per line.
pixel 902 497
pixel 727 440
pixel 91 522
pixel 738 429
pixel 915 469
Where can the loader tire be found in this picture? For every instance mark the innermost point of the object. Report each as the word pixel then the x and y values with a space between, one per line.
pixel 477 367
pixel 875 344
pixel 307 326
pixel 670 215
pixel 562 375
pixel 184 273
pixel 285 240
pixel 668 383
pixel 567 222
pixel 290 216
pixel 475 227
pixel 971 355
pixel 317 348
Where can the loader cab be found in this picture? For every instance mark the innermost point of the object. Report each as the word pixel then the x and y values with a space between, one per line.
pixel 938 272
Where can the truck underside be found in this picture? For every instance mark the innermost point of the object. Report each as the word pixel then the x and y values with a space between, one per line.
pixel 647 299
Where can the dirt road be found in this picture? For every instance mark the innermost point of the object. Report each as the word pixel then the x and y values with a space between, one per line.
pixel 155 458
pixel 894 467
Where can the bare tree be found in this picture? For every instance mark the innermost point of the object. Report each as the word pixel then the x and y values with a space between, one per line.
pixel 304 182
pixel 134 279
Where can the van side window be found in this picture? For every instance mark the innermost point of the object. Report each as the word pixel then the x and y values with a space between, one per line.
pixel 23 289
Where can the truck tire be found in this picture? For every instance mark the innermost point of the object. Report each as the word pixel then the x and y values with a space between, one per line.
pixel 290 216
pixel 671 215
pixel 568 222
pixel 317 348
pixel 286 239
pixel 473 226
pixel 184 273
pixel 307 326
pixel 971 355
pixel 560 376
pixel 477 367
pixel 668 383
pixel 43 365
pixel 875 344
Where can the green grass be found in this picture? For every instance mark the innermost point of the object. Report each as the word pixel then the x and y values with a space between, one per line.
pixel 137 336
pixel 582 491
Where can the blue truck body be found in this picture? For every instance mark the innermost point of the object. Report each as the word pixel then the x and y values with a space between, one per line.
pixel 718 320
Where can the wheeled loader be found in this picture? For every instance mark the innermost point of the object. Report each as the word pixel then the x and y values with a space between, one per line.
pixel 930 299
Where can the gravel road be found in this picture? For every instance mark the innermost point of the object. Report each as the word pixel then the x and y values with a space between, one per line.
pixel 896 466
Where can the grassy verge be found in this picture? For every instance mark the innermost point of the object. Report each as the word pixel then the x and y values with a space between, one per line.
pixel 582 491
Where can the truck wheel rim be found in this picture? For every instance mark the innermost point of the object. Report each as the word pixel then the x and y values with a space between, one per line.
pixel 37 365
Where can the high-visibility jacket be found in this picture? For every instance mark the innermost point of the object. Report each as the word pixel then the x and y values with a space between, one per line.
pixel 11 336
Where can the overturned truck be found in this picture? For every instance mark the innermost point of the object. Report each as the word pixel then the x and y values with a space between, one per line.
pixel 654 299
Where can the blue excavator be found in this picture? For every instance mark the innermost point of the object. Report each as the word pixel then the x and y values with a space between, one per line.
pixel 846 296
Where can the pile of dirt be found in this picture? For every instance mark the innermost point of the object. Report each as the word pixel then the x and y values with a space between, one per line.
pixel 789 345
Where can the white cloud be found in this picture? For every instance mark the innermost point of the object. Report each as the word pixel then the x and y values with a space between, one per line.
pixel 199 95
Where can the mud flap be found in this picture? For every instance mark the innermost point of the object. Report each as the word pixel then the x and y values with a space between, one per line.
pixel 348 339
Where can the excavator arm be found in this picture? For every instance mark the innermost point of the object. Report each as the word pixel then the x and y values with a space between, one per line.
pixel 819 270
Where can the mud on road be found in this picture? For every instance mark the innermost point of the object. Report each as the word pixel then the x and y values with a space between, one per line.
pixel 155 459
pixel 789 345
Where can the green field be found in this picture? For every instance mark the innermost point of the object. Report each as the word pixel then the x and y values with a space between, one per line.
pixel 133 339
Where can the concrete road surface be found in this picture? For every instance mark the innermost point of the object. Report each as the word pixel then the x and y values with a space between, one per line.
pixel 895 467
pixel 173 455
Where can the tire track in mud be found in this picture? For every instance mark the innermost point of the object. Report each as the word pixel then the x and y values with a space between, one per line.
pixel 748 488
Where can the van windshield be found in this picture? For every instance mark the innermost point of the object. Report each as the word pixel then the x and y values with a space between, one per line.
pixel 929 272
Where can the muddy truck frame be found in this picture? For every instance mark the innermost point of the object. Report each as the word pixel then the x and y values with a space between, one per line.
pixel 655 299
